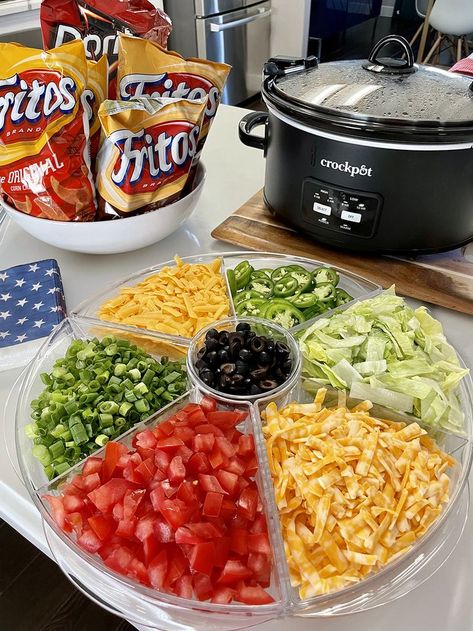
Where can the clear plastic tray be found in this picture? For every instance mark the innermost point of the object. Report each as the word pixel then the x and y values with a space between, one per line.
pixel 355 285
pixel 158 610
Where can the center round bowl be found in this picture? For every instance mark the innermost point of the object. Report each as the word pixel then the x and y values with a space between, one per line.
pixel 117 235
pixel 262 327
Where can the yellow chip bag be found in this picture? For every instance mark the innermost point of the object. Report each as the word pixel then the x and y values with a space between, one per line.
pixel 145 68
pixel 147 150
pixel 92 97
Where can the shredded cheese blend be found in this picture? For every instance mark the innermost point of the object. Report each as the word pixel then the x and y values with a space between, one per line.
pixel 178 300
pixel 354 492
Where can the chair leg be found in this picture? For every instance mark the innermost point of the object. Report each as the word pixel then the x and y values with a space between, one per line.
pixel 433 49
pixel 416 34
pixel 467 48
pixel 459 48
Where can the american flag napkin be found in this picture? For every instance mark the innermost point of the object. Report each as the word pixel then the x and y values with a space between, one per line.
pixel 464 66
pixel 32 304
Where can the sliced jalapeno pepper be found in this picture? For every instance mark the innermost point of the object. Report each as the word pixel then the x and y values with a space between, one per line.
pixel 245 295
pixel 325 293
pixel 259 273
pixel 284 313
pixel 285 287
pixel 243 273
pixel 279 273
pixel 304 301
pixel 316 310
pixel 304 279
pixel 294 268
pixel 325 276
pixel 252 307
pixel 232 281
pixel 267 271
pixel 262 285
pixel 342 297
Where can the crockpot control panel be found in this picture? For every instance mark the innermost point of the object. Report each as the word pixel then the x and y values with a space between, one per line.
pixel 343 210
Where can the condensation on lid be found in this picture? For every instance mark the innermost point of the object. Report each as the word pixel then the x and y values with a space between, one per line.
pixel 429 94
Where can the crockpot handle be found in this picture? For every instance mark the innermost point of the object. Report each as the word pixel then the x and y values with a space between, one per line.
pixel 389 65
pixel 246 126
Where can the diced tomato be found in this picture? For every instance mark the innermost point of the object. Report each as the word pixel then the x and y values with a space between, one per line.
pixel 146 439
pixel 196 417
pixel 253 595
pixel 113 452
pixel 241 484
pixel 222 547
pixel 169 489
pixel 233 572
pixel 185 453
pixel 259 525
pixel 232 435
pixel 130 474
pixel 91 482
pixel 225 446
pixel 184 433
pixel 208 428
pixel 175 512
pixel 203 586
pixel 103 526
pixel 208 404
pixel 131 501
pixel 157 497
pixel 203 442
pixel 145 527
pixel 222 595
pixel 176 470
pixel 159 476
pixel 73 503
pixel 89 541
pixel 150 548
pixel 246 445
pixel 247 503
pixel 177 565
pixel 92 465
pixel 169 444
pixel 228 509
pixel 186 537
pixel 137 569
pixel 235 465
pixel 163 531
pixel 260 565
pixel 205 530
pixel 78 482
pixel 107 495
pixel 217 459
pixel 76 521
pixel 239 541
pixel 135 459
pixel 126 528
pixel 251 467
pixel 212 504
pixel 199 463
pixel 226 419
pixel 162 459
pixel 118 511
pixel 228 480
pixel 210 483
pixel 123 460
pixel 187 492
pixel 183 587
pixel 146 470
pixel 120 559
pixel 145 453
pixel 259 543
pixel 166 428
pixel 57 511
pixel 157 570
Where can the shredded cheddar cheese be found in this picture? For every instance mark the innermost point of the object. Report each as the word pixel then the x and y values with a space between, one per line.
pixel 354 492
pixel 178 300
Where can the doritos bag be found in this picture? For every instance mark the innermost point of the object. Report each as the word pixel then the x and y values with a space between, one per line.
pixel 44 132
pixel 93 96
pixel 144 68
pixel 146 154
pixel 97 23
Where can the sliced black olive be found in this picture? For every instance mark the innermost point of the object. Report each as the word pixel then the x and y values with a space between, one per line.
pixel 235 347
pixel 200 364
pixel 268 384
pixel 257 344
pixel 212 344
pixel 242 368
pixel 243 326
pixel 211 334
pixel 287 366
pixel 236 390
pixel 270 346
pixel 227 369
pixel 282 349
pixel 247 383
pixel 237 380
pixel 245 354
pixel 258 373
pixel 232 337
pixel 254 389
pixel 279 374
pixel 207 377
pixel 223 356
pixel 211 358
pixel 264 358
pixel 223 338
pixel 201 352
pixel 249 335
pixel 225 381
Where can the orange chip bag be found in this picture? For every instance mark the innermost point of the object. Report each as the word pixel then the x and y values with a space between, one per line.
pixel 44 132
pixel 144 68
pixel 95 94
pixel 147 150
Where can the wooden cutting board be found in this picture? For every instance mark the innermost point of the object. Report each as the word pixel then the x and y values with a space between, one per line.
pixel 442 279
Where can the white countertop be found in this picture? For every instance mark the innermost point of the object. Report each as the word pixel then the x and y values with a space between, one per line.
pixel 235 173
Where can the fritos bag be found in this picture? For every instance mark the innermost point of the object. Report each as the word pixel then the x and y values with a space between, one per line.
pixel 44 132
pixel 95 94
pixel 146 154
pixel 97 23
pixel 144 68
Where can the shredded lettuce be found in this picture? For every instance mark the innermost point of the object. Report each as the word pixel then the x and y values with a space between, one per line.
pixel 383 350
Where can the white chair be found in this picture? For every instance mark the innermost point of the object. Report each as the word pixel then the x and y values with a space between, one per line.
pixel 421 9
pixel 453 20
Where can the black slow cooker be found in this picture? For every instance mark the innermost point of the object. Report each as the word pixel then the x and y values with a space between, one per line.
pixel 371 156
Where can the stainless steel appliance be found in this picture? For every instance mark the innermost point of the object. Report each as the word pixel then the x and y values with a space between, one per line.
pixel 236 32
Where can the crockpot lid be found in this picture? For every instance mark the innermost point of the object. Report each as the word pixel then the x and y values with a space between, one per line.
pixel 383 90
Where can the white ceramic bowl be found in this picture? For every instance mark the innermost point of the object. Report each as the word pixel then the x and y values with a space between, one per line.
pixel 114 236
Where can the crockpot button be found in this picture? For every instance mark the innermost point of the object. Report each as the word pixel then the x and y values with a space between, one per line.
pixel 350 216
pixel 322 209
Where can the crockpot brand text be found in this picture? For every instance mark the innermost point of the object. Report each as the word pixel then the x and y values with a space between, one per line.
pixel 346 167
